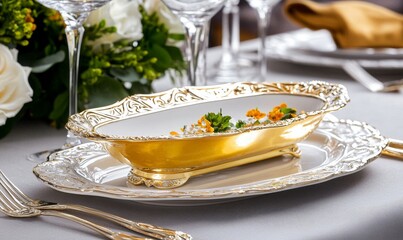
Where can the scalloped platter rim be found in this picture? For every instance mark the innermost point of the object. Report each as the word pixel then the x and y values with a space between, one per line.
pixel 337 148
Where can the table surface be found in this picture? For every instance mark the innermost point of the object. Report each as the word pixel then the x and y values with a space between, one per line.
pixel 365 205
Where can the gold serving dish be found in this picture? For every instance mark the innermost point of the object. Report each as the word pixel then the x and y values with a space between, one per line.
pixel 136 130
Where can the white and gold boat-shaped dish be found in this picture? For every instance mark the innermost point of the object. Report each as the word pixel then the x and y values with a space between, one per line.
pixel 337 148
pixel 136 129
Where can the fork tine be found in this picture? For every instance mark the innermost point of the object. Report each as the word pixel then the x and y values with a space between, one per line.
pixel 2 208
pixel 24 202
pixel 12 206
pixel 7 205
pixel 10 196
pixel 12 189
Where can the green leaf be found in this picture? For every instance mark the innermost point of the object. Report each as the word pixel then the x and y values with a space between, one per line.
pixel 35 84
pixel 163 56
pixel 142 86
pixel 240 124
pixel 159 38
pixel 126 74
pixel 60 106
pixel 42 65
pixel 219 122
pixel 176 36
pixel 106 91
pixel 175 53
pixel 288 110
pixel 40 107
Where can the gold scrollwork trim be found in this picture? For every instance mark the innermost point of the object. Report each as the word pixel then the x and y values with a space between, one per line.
pixel 84 124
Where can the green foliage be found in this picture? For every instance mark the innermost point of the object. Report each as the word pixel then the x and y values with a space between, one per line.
pixel 107 74
pixel 219 122
pixel 288 112
pixel 240 124
pixel 16 22
pixel 133 66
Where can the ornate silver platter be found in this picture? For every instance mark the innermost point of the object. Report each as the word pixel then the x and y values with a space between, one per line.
pixel 335 149
pixel 138 129
pixel 317 48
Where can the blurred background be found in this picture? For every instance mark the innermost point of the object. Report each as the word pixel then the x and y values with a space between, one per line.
pixel 278 22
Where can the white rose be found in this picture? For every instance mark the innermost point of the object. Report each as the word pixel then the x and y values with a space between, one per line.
pixel 14 87
pixel 170 20
pixel 124 15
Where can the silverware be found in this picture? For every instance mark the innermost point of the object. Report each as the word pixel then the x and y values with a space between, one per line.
pixel 355 68
pixel 296 46
pixel 9 206
pixel 357 72
pixel 394 149
pixel 143 228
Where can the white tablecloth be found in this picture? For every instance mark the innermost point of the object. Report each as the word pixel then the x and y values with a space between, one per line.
pixel 365 205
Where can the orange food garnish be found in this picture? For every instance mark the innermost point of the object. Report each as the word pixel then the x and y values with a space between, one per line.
pixel 255 113
pixel 275 114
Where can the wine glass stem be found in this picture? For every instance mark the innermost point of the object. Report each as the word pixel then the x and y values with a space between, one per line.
pixel 230 37
pixel 235 28
pixel 263 21
pixel 74 34
pixel 197 41
pixel 74 39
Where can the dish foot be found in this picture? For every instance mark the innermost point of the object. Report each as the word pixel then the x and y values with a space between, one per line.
pixel 162 179
pixel 135 179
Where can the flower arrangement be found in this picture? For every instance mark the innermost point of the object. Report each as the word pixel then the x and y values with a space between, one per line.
pixel 126 46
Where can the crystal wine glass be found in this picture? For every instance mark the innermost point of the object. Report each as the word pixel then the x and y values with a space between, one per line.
pixel 74 13
pixel 263 8
pixel 195 15
pixel 231 67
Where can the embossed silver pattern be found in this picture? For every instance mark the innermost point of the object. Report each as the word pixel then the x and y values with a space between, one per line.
pixel 349 145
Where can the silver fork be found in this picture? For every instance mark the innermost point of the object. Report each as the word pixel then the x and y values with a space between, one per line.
pixel 142 228
pixel 356 71
pixel 12 208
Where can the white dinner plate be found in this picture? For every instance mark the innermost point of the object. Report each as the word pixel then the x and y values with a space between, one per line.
pixel 335 149
pixel 317 48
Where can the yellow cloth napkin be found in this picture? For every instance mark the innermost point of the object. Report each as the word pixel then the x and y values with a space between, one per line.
pixel 353 24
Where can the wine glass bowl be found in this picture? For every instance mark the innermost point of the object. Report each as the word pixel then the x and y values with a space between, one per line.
pixel 195 16
pixel 262 5
pixel 73 6
pixel 196 11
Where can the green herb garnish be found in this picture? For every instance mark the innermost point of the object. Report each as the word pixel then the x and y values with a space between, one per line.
pixel 219 122
pixel 240 124
pixel 288 112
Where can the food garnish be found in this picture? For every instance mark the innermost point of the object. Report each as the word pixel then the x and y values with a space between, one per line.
pixel 282 112
pixel 217 122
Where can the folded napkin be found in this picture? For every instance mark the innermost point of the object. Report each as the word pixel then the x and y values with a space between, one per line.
pixel 353 24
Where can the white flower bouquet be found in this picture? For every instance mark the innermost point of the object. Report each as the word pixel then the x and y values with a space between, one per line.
pixel 127 44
